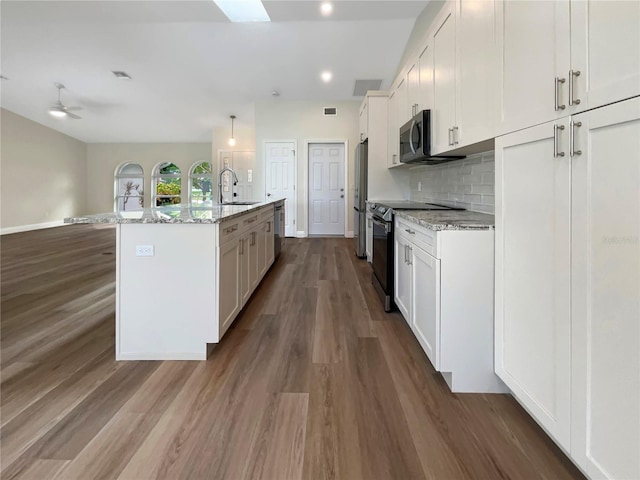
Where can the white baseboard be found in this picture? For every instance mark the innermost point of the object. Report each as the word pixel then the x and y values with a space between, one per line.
pixel 34 226
pixel 162 356
pixel 349 234
pixel 301 234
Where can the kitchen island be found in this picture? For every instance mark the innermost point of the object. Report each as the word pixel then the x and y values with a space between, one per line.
pixel 183 273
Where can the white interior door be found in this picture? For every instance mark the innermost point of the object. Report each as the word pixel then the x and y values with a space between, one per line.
pixel 326 189
pixel 243 163
pixel 280 168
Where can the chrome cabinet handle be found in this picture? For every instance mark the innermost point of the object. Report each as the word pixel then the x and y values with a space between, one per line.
pixel 394 158
pixel 558 82
pixel 556 138
pixel 572 148
pixel 241 246
pixel 408 230
pixel 406 254
pixel 455 135
pixel 268 227
pixel 450 134
pixel 410 250
pixel 572 76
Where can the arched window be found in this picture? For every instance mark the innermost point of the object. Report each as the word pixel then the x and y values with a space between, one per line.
pixel 166 184
pixel 129 186
pixel 201 183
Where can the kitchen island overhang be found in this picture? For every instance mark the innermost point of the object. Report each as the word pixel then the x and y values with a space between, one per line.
pixel 183 274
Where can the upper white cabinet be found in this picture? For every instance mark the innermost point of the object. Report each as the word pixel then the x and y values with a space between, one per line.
pixel 443 120
pixel 564 57
pixel 424 100
pixel 413 90
pixel 476 62
pixel 605 288
pixel 533 291
pixel 393 131
pixel 605 52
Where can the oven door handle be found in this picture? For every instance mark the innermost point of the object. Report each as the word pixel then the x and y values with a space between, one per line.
pixel 384 225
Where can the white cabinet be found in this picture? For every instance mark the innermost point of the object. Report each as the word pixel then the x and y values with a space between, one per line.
pixel 413 90
pixel 444 290
pixel 364 120
pixel 424 100
pixel 605 291
pixel 393 131
pixel 425 302
pixel 229 302
pixel 402 99
pixel 443 122
pixel 476 66
pixel 533 233
pixel 568 282
pixel 564 57
pixel 265 239
pixel 402 276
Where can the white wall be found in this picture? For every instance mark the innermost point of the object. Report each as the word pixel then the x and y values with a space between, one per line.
pixel 303 121
pixel 245 140
pixel 43 173
pixel 418 34
pixel 103 158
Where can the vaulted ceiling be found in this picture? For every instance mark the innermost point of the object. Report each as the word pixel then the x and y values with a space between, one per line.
pixel 190 67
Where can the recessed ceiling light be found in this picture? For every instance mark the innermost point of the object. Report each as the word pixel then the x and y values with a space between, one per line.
pixel 243 10
pixel 326 8
pixel 326 76
pixel 121 75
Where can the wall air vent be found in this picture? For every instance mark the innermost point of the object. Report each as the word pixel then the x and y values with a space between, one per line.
pixel 361 87
pixel 330 111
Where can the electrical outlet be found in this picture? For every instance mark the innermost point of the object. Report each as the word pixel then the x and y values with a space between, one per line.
pixel 144 250
pixel 419 186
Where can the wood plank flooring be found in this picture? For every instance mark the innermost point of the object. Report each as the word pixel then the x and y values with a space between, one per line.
pixel 313 381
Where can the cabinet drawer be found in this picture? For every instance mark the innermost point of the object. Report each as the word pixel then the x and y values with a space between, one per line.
pixel 249 221
pixel 420 236
pixel 229 230
pixel 266 212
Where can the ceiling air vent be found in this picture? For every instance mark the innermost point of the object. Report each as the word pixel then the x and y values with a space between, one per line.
pixel 363 86
pixel 330 111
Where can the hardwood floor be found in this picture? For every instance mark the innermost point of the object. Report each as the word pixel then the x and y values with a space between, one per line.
pixel 313 381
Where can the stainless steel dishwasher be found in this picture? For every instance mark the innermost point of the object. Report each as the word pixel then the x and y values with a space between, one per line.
pixel 278 228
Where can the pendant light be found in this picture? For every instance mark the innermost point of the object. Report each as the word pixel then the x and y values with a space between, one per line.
pixel 232 140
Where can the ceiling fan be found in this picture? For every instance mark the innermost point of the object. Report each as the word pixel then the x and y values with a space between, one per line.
pixel 59 110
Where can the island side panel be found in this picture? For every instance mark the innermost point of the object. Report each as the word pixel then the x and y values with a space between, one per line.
pixel 165 302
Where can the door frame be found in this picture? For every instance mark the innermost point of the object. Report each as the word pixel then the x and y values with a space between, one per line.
pixel 294 207
pixel 347 233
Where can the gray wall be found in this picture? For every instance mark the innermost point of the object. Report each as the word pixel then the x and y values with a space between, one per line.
pixel 104 158
pixel 43 173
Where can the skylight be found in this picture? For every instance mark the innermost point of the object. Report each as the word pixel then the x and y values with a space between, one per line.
pixel 243 10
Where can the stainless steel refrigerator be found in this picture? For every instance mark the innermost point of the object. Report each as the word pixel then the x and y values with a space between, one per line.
pixel 360 201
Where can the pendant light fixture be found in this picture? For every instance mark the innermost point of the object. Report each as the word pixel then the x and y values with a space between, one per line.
pixel 232 140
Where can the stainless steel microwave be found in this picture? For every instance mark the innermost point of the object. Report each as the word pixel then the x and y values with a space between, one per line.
pixel 415 142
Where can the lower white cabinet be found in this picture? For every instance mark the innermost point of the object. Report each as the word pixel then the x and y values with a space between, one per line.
pixel 444 290
pixel 425 302
pixel 244 257
pixel 369 239
pixel 568 282
pixel 229 303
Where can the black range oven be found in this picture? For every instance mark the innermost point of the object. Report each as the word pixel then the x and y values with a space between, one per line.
pixel 383 244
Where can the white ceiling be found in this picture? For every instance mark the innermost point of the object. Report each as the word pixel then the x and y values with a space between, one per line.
pixel 191 67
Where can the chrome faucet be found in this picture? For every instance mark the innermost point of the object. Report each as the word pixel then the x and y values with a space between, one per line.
pixel 235 182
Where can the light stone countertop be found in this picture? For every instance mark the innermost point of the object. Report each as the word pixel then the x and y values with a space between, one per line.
pixel 182 213
pixel 448 219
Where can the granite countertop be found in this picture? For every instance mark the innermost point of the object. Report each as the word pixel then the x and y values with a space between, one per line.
pixel 182 213
pixel 448 219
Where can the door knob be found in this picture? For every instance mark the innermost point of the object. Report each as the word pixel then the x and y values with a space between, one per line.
pixel 341 196
pixel 268 194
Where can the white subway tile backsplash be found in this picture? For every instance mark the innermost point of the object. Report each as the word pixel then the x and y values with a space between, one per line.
pixel 467 183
